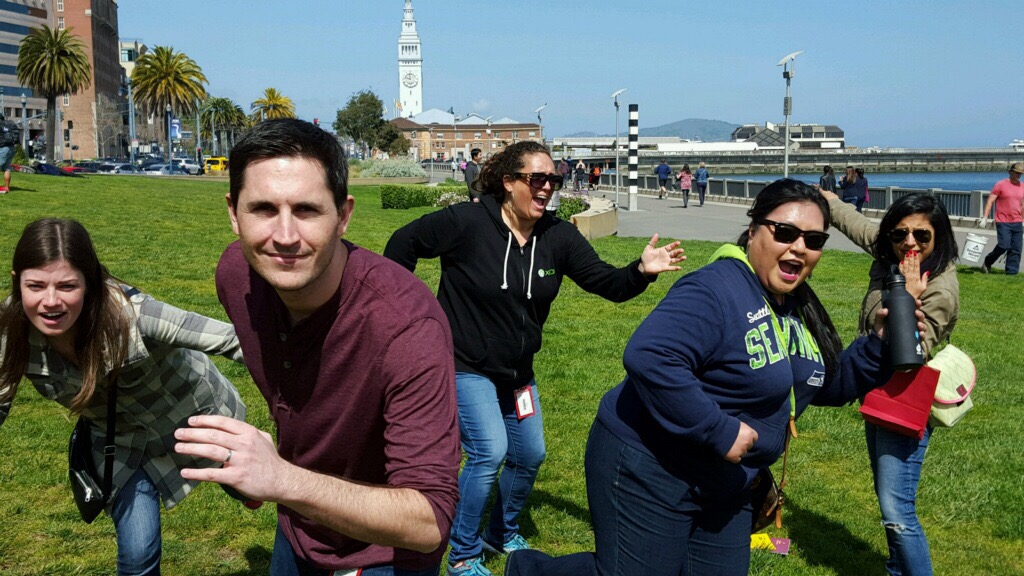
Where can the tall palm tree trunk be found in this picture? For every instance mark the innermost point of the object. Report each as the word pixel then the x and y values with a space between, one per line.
pixel 50 132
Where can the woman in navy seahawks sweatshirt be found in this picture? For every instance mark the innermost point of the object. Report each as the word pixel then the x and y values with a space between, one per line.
pixel 706 402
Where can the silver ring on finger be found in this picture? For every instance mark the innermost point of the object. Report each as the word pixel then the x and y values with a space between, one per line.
pixel 230 454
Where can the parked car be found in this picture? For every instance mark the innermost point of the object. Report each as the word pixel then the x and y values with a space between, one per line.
pixel 190 165
pixel 87 166
pixel 119 168
pixel 216 164
pixel 171 169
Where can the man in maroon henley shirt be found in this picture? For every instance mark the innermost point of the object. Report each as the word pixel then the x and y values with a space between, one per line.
pixel 354 357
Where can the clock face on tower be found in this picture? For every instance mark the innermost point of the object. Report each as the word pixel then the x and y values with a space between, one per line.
pixel 410 80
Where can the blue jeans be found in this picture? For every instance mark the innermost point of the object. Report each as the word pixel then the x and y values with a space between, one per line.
pixel 1008 239
pixel 284 562
pixel 136 515
pixel 647 521
pixel 896 462
pixel 857 202
pixel 702 188
pixel 492 434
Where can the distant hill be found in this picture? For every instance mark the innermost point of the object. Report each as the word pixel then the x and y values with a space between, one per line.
pixel 694 129
pixel 689 129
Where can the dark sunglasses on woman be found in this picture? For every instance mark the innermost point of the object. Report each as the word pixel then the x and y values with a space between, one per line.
pixel 787 234
pixel 898 235
pixel 538 179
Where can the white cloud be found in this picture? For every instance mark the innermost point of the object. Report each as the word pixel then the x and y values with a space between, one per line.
pixel 481 105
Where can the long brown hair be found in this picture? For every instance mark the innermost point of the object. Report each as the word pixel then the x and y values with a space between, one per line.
pixel 102 335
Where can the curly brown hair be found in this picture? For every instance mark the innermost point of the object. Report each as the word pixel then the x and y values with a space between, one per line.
pixel 506 163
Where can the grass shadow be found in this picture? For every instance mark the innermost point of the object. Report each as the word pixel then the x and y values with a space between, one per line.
pixel 258 558
pixel 829 544
pixel 540 498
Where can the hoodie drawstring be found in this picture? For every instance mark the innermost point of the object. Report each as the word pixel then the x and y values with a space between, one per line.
pixel 529 275
pixel 504 277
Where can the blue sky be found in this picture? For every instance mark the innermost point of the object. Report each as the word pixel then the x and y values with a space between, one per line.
pixel 908 73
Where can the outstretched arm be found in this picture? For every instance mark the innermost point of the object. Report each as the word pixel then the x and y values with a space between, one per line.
pixel 399 517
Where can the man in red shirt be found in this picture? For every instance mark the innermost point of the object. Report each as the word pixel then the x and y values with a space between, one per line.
pixel 1007 195
pixel 354 357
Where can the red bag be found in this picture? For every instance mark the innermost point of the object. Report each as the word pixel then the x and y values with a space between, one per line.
pixel 904 403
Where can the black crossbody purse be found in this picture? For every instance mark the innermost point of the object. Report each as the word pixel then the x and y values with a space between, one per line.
pixel 90 497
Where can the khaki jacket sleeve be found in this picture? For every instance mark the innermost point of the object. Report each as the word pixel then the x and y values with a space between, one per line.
pixel 854 225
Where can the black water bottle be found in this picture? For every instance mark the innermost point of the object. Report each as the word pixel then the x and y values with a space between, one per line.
pixel 901 324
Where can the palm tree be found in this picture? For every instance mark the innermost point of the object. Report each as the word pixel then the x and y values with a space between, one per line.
pixel 272 105
pixel 164 77
pixel 223 114
pixel 51 63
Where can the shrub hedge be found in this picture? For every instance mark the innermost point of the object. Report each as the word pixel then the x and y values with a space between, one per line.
pixel 402 197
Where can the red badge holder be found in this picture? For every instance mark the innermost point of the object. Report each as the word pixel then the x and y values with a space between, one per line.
pixel 904 403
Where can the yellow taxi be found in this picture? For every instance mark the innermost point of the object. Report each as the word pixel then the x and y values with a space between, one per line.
pixel 216 164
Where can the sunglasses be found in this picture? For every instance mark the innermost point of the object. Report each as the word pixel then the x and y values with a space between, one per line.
pixel 898 235
pixel 787 234
pixel 538 179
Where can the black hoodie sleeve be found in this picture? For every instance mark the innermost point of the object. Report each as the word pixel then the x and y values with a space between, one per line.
pixel 430 236
pixel 596 276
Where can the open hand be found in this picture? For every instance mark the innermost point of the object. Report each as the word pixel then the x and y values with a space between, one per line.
pixel 655 260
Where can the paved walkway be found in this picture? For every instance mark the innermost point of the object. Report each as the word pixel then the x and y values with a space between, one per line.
pixel 720 222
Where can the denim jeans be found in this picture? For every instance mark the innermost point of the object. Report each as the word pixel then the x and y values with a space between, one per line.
pixel 647 521
pixel 136 515
pixel 492 434
pixel 1008 239
pixel 857 202
pixel 896 462
pixel 284 562
pixel 702 188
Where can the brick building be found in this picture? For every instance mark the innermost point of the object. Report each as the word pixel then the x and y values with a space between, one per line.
pixel 98 112
pixel 443 136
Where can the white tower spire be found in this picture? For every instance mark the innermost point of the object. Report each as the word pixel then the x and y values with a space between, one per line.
pixel 410 66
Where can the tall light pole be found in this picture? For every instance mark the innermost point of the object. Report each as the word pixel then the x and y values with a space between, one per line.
pixel 540 120
pixel 787 104
pixel 168 108
pixel 455 141
pixel 615 97
pixel 24 125
pixel 131 121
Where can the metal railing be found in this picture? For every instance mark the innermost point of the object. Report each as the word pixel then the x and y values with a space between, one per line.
pixel 959 203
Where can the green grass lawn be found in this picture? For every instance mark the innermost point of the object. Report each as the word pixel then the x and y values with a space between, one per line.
pixel 165 236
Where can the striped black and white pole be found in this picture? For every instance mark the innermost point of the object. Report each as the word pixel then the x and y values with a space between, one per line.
pixel 634 154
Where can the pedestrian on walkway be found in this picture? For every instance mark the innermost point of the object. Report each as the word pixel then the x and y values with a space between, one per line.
pixel 10 135
pixel 701 177
pixel 664 172
pixel 581 174
pixel 685 179
pixel 1007 196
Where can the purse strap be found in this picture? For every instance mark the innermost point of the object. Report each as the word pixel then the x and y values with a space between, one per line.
pixel 108 448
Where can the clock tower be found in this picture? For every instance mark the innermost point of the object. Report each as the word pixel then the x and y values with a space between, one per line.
pixel 410 66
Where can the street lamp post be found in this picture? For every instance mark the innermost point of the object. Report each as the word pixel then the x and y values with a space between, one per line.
pixel 24 124
pixel 455 140
pixel 131 122
pixel 618 177
pixel 168 109
pixel 787 105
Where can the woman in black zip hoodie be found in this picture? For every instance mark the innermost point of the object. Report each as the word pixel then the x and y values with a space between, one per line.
pixel 502 263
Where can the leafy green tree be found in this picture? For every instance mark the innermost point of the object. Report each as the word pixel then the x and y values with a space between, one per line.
pixel 361 118
pixel 163 77
pixel 390 139
pixel 271 106
pixel 51 63
pixel 222 114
